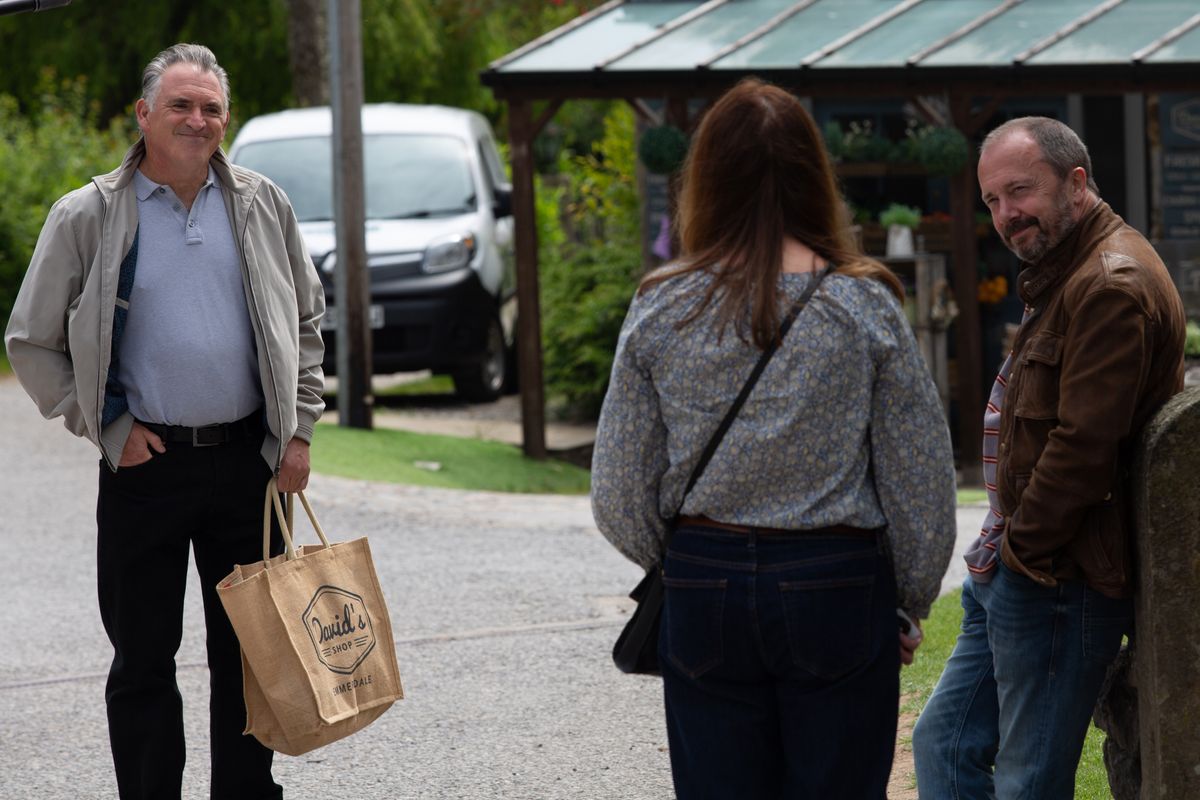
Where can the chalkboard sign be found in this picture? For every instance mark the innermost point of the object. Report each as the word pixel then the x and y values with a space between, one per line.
pixel 1183 260
pixel 1179 118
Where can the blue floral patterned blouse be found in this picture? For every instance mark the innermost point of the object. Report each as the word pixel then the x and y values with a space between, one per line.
pixel 844 427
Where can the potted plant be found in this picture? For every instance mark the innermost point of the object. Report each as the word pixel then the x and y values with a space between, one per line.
pixel 900 221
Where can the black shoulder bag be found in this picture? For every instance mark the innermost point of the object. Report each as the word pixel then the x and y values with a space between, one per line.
pixel 636 650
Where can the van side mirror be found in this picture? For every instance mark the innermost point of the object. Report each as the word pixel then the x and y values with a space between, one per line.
pixel 502 207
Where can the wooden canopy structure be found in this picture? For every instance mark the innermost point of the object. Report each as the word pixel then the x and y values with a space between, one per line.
pixel 970 54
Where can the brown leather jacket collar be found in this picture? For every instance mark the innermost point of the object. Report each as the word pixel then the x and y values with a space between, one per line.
pixel 1095 225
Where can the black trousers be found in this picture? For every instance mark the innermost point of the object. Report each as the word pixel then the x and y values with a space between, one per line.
pixel 210 498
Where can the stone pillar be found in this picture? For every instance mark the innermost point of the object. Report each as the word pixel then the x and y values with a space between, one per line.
pixel 1167 502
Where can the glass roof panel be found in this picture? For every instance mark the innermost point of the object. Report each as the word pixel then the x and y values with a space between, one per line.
pixel 805 33
pixel 1185 48
pixel 603 37
pixel 999 40
pixel 697 41
pixel 1118 34
pixel 894 42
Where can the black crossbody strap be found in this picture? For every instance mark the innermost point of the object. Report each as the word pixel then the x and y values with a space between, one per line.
pixel 763 360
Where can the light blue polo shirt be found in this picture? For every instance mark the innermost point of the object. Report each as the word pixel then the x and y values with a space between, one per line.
pixel 187 356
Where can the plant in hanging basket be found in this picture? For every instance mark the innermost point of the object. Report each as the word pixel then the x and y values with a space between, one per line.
pixel 942 151
pixel 663 149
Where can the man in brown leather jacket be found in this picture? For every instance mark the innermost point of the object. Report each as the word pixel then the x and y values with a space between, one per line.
pixel 1047 600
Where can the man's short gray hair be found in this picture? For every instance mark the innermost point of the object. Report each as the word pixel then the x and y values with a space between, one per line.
pixel 195 54
pixel 1061 147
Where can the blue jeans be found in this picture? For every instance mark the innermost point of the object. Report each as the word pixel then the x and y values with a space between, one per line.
pixel 780 665
pixel 1018 691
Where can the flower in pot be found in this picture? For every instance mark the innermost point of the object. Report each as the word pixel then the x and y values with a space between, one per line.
pixel 900 221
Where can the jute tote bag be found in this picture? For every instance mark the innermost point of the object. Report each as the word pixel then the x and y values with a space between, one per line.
pixel 318 659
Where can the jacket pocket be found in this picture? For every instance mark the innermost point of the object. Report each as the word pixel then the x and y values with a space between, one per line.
pixel 1099 548
pixel 1041 366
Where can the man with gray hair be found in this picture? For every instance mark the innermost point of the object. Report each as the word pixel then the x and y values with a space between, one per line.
pixel 1047 598
pixel 171 315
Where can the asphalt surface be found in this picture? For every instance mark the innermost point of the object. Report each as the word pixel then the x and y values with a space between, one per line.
pixel 504 609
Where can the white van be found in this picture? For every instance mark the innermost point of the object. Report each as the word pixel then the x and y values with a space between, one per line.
pixel 439 233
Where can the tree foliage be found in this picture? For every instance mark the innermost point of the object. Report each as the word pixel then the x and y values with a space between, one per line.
pixel 414 51
pixel 110 41
pixel 589 247
pixel 56 132
pixel 44 155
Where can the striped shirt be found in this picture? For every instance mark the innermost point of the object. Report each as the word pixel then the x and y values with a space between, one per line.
pixel 981 556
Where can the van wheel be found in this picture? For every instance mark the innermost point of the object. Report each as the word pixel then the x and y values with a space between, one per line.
pixel 483 382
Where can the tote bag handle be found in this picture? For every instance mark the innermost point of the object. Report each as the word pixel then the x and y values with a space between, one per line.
pixel 286 521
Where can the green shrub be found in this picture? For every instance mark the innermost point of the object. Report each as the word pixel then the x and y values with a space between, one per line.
pixel 857 142
pixel 590 267
pixel 44 155
pixel 942 150
pixel 1191 345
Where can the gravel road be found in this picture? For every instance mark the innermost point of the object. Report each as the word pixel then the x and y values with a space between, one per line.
pixel 504 609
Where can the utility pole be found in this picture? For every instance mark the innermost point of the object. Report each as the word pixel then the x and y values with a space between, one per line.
pixel 351 285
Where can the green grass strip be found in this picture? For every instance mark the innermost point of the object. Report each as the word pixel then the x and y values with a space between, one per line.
pixel 917 682
pixel 971 496
pixel 434 384
pixel 393 456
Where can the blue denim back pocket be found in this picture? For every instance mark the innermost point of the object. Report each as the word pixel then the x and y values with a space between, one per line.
pixel 828 623
pixel 693 618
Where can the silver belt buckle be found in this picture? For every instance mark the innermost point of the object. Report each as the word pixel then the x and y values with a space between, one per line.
pixel 196 442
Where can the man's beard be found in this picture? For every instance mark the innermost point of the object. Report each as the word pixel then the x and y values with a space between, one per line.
pixel 1051 229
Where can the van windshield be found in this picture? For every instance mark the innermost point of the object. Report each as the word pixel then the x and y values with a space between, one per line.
pixel 407 176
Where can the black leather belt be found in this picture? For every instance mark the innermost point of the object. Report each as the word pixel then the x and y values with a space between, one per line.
pixel 244 429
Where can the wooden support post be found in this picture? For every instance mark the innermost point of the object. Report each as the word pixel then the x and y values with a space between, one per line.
pixel 968 339
pixel 521 132
pixel 677 115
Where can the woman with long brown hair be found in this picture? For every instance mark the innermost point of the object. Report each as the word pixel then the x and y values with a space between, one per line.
pixel 827 504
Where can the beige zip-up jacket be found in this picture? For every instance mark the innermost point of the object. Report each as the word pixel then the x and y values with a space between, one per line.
pixel 59 337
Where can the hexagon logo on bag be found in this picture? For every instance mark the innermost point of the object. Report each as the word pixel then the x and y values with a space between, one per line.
pixel 339 626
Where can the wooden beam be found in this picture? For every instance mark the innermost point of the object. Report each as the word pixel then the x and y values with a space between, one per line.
pixel 547 114
pixel 1029 80
pixel 677 115
pixel 644 112
pixel 529 315
pixel 981 117
pixel 927 112
pixel 968 338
